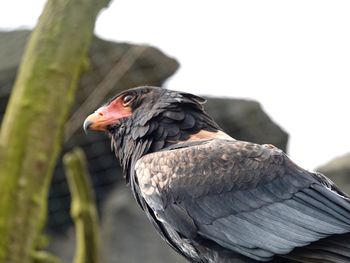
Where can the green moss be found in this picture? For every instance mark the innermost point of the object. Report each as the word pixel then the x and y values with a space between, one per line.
pixel 44 257
pixel 83 208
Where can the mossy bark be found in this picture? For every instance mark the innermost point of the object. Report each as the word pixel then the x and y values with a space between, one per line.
pixel 32 128
pixel 44 257
pixel 83 208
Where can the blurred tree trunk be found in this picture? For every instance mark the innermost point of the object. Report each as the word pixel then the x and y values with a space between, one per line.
pixel 83 207
pixel 32 128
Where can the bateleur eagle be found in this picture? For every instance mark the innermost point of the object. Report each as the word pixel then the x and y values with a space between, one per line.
pixel 216 199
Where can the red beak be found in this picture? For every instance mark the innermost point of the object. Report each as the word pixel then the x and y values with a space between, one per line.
pixel 104 116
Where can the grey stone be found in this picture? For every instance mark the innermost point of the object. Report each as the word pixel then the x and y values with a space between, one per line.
pixel 127 234
pixel 338 170
pixel 246 120
pixel 63 245
pixel 11 48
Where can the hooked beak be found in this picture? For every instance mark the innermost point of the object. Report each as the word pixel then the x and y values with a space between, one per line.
pixel 88 122
pixel 103 117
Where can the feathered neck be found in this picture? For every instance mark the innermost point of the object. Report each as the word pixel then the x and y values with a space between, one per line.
pixel 153 128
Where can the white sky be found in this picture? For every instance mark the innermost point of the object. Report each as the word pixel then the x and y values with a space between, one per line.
pixel 292 56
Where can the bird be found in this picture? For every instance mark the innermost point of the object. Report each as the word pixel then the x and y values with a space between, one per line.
pixel 213 198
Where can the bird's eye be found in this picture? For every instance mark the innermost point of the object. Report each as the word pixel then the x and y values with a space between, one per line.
pixel 127 99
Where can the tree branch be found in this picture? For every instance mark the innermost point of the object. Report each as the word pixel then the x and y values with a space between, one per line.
pixel 33 125
pixel 83 208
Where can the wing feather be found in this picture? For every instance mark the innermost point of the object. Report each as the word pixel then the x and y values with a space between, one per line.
pixel 245 197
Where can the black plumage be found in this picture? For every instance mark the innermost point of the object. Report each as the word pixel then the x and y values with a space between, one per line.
pixel 216 199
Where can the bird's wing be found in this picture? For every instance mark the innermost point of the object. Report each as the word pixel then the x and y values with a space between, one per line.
pixel 246 197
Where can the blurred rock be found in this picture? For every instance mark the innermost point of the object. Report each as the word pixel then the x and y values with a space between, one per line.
pixel 338 170
pixel 63 245
pixel 130 235
pixel 152 67
pixel 245 120
pixel 126 234
pixel 11 49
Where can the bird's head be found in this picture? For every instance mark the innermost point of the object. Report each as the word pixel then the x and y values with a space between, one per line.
pixel 138 106
pixel 147 119
pixel 120 108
